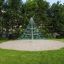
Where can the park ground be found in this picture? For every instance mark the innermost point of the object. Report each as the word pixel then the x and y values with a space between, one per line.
pixel 26 57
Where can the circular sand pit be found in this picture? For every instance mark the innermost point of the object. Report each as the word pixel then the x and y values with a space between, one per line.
pixel 32 45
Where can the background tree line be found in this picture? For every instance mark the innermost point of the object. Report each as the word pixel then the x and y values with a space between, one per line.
pixel 15 15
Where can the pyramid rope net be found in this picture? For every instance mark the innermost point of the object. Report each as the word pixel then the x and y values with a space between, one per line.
pixel 31 32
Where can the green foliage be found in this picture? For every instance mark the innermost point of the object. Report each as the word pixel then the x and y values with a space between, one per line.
pixel 14 4
pixel 56 14
pixel 15 15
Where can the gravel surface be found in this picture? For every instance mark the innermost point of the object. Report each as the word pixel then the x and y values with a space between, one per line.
pixel 32 45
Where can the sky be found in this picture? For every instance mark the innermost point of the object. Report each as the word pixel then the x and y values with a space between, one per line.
pixel 51 1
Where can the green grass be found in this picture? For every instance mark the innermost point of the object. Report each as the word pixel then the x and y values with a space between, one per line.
pixel 25 57
pixel 60 40
pixel 3 40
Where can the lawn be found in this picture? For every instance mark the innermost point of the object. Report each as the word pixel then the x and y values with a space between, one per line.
pixel 60 40
pixel 4 40
pixel 26 57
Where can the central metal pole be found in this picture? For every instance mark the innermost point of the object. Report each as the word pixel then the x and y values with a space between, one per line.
pixel 32 22
pixel 32 32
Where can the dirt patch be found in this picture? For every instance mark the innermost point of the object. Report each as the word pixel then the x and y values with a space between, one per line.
pixel 32 45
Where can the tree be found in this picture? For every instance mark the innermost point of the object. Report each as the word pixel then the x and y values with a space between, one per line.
pixel 56 13
pixel 12 17
pixel 1 17
pixel 15 15
pixel 14 4
pixel 41 16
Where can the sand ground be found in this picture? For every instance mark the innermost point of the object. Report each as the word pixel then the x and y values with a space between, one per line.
pixel 32 45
